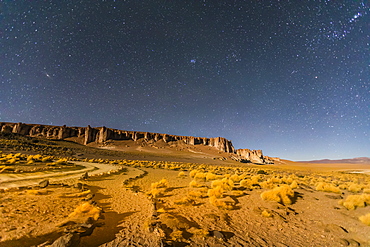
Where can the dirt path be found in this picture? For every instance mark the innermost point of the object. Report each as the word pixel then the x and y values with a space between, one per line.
pixel 126 210
pixel 26 179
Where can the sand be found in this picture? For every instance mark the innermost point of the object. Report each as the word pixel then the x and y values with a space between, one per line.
pixel 133 218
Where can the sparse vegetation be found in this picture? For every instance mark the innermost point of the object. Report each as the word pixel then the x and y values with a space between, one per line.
pixel 283 194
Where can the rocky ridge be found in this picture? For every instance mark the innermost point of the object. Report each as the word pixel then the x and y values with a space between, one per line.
pixel 102 134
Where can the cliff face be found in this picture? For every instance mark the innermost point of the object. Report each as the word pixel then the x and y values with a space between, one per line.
pixel 102 134
pixel 254 156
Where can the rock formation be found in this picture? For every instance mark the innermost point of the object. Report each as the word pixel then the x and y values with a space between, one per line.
pixel 102 134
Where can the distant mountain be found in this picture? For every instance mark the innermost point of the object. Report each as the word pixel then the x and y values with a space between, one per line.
pixel 360 160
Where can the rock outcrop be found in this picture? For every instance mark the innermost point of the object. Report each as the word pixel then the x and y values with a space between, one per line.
pixel 253 156
pixel 102 134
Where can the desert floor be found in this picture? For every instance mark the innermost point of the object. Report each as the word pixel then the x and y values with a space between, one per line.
pixel 138 213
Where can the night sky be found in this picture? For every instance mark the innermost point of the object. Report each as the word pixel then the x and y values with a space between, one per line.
pixel 289 77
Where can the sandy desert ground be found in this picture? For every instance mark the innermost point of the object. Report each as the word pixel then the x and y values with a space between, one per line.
pixel 167 203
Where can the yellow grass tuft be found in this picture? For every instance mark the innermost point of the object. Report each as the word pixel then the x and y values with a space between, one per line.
pixel 326 187
pixel 197 194
pixel 354 201
pixel 365 219
pixel 215 192
pixel 181 174
pixel 294 184
pixel 85 211
pixel 155 193
pixel 161 210
pixel 354 188
pixel 266 214
pixel 220 203
pixel 163 183
pixel 225 183
pixel 195 184
pixel 283 194
pixel 211 176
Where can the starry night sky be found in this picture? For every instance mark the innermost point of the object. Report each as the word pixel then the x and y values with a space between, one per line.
pixel 289 77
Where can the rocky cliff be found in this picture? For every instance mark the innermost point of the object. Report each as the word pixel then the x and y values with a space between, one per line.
pixel 102 134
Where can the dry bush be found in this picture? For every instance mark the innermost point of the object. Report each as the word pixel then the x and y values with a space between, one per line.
pixel 249 183
pixel 267 184
pixel 237 193
pixel 12 161
pixel 294 184
pixel 85 211
pixel 192 173
pixel 354 188
pixel 163 183
pixel 200 176
pixel 216 192
pixel 195 184
pixel 211 176
pixel 365 219
pixel 354 201
pixel 181 174
pixel 283 194
pixel 161 210
pixel 197 194
pixel 225 183
pixel 226 203
pixel 155 193
pixel 235 178
pixel 326 187
pixel 63 161
pixel 266 213
pixel 276 180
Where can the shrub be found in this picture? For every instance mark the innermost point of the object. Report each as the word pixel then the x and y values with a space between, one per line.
pixel 181 174
pixel 283 194
pixel 365 219
pixel 192 173
pixel 225 184
pixel 197 194
pixel 261 172
pixel 211 176
pixel 235 178
pixel 220 203
pixel 216 192
pixel 294 184
pixel 12 161
pixel 85 211
pixel 266 214
pixel 195 184
pixel 163 183
pixel 47 159
pixel 322 186
pixel 354 201
pixel 200 176
pixel 155 193
pixel 354 188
